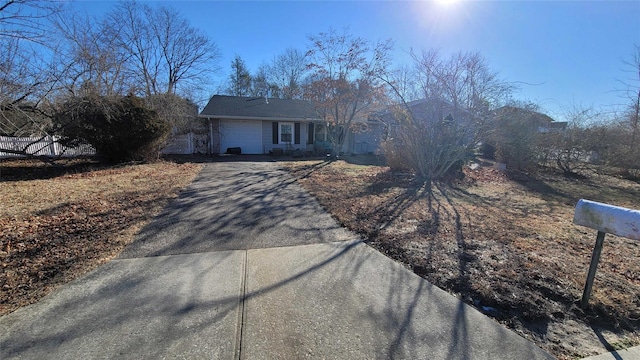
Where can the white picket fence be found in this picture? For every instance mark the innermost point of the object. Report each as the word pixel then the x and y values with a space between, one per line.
pixel 47 146
pixel 189 143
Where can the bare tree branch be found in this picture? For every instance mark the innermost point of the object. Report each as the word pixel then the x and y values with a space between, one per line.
pixel 345 80
pixel 23 19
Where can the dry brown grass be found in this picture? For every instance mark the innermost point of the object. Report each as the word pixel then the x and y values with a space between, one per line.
pixel 505 245
pixel 59 222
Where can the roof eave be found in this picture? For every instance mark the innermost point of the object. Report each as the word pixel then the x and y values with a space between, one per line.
pixel 265 118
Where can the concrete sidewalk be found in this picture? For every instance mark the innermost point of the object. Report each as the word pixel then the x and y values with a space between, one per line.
pixel 180 292
pixel 337 300
pixel 632 353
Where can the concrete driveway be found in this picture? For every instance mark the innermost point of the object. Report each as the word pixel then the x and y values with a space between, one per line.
pixel 246 265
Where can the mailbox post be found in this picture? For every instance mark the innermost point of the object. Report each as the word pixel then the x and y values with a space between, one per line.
pixel 606 219
pixel 595 258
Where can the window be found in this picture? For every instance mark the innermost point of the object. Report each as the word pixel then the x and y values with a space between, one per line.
pixel 321 134
pixel 286 133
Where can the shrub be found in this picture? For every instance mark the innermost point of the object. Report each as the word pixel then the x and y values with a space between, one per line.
pixel 395 156
pixel 515 136
pixel 121 129
pixel 431 142
pixel 488 151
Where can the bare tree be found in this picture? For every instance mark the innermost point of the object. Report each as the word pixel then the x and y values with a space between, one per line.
pixel 23 83
pixel 136 49
pixel 27 75
pixel 239 79
pixel 286 73
pixel 514 135
pixel 164 52
pixel 464 79
pixel 90 57
pixel 345 80
pixel 405 84
pixel 187 54
pixel 431 139
pixel 571 148
pixel 128 25
pixel 261 85
pixel 624 141
pixel 22 38
pixel 23 19
pixel 631 92
pixel 437 134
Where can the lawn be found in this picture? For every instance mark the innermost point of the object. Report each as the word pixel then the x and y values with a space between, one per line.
pixel 60 221
pixel 503 243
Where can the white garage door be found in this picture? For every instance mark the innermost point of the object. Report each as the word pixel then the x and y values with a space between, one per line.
pixel 246 135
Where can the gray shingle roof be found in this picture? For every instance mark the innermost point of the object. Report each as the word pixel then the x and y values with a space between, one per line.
pixel 221 106
pixel 530 115
pixel 424 109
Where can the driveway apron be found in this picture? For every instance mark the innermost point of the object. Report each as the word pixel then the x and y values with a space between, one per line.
pixel 244 264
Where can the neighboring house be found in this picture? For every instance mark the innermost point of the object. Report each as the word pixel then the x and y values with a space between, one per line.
pixel 518 136
pixel 259 125
pixel 542 122
pixel 424 110
pixel 434 109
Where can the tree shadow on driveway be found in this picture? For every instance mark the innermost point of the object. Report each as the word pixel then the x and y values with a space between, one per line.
pixel 268 300
pixel 317 301
pixel 233 206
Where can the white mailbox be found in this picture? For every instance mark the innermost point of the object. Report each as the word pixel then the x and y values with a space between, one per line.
pixel 609 219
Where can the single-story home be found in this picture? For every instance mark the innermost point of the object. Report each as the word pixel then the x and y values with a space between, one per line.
pixel 260 125
pixel 542 122
pixel 426 111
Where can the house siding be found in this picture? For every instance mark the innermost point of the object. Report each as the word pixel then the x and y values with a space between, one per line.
pixel 367 142
pixel 356 143
pixel 267 137
pixel 215 136
pixel 259 137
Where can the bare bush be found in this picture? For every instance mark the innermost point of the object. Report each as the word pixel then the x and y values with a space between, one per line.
pixel 431 138
pixel 435 136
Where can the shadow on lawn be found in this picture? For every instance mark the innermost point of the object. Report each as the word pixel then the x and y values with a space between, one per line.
pixel 541 187
pixel 560 190
pixel 445 209
pixel 232 206
pixel 413 191
pixel 374 160
pixel 35 169
pixel 462 283
pixel 306 171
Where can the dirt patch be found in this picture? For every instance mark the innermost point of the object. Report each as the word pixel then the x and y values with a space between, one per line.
pixel 60 221
pixel 506 245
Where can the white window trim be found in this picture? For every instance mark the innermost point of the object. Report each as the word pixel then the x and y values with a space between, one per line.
pixel 322 132
pixel 280 133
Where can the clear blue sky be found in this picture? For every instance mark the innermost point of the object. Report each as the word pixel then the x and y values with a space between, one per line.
pixel 562 53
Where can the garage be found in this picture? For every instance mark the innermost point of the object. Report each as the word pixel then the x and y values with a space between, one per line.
pixel 245 134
